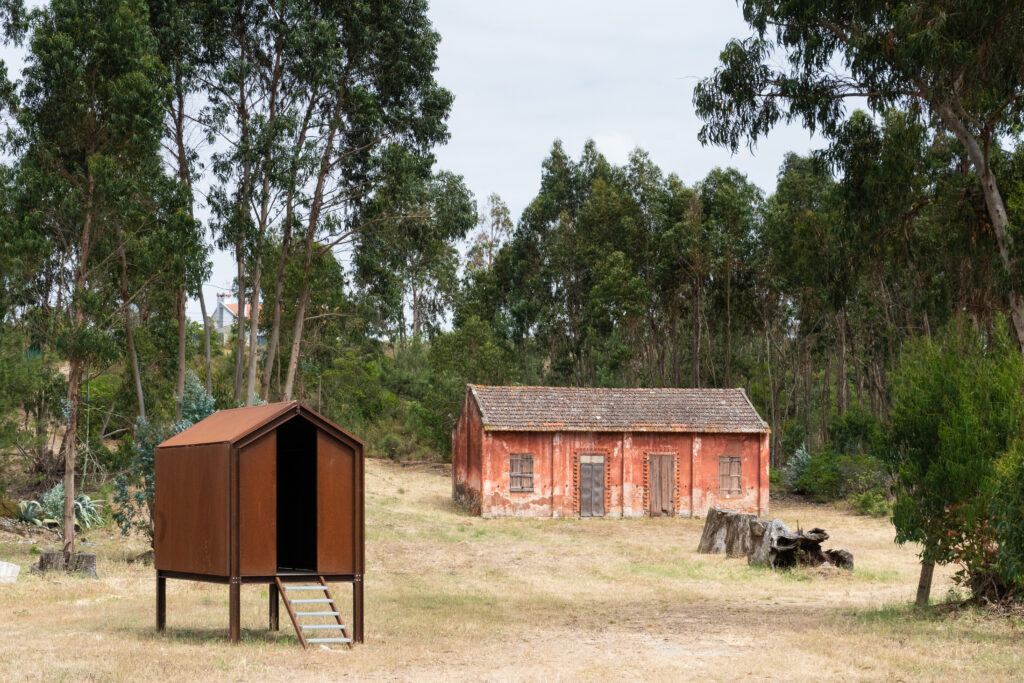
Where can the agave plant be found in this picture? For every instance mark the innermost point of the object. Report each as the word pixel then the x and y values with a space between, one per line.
pixel 49 509
pixel 30 512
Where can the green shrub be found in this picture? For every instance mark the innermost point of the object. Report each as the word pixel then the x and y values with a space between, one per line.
pixel 872 503
pixel 796 467
pixel 822 478
pixel 774 476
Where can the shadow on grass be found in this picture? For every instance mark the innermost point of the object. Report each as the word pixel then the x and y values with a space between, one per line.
pixel 218 636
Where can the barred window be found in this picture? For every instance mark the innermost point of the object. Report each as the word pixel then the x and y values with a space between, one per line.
pixel 520 470
pixel 730 474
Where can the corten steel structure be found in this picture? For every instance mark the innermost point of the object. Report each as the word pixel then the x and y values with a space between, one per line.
pixel 266 494
pixel 580 452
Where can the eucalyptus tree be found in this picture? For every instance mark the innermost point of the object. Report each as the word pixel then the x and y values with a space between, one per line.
pixel 410 260
pixel 494 228
pixel 730 207
pixel 381 114
pixel 90 125
pixel 959 64
pixel 190 35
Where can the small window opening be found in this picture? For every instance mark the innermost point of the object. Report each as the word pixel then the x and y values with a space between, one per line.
pixel 730 474
pixel 520 470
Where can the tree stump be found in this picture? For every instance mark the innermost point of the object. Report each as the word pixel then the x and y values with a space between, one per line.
pixel 727 532
pixel 763 537
pixel 767 544
pixel 83 564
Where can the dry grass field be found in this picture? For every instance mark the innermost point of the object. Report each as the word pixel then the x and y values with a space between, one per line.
pixel 455 597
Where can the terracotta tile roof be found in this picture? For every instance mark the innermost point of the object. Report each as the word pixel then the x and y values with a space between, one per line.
pixel 549 409
pixel 233 307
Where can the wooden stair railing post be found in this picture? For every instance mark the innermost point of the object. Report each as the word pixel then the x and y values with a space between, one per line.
pixel 291 614
pixel 337 616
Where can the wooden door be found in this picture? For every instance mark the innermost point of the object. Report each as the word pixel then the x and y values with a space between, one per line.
pixel 591 486
pixel 338 518
pixel 661 474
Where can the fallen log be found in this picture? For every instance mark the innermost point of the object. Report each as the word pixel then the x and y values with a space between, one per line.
pixel 768 543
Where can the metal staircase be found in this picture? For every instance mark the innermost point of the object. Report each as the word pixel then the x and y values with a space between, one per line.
pixel 318 595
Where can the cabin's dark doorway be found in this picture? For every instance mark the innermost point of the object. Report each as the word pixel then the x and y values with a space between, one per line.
pixel 296 496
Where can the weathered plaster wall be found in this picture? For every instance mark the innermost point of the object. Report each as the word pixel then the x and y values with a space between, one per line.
pixel 707 449
pixel 498 499
pixel 480 470
pixel 466 461
pixel 639 445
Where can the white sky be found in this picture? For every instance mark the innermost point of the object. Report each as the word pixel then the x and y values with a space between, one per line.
pixel 525 72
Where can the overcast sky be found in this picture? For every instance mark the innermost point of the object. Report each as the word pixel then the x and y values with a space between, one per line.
pixel 527 72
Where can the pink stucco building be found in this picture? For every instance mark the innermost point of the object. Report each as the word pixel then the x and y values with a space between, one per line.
pixel 579 452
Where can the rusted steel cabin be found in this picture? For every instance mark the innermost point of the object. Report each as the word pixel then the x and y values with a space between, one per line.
pixel 577 452
pixel 267 494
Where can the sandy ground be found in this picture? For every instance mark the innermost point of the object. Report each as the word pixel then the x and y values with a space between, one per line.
pixel 452 597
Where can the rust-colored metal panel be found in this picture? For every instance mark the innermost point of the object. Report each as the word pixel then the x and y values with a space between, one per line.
pixel 257 506
pixel 339 508
pixel 230 425
pixel 191 509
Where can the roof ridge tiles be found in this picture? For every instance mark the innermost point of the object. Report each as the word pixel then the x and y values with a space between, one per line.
pixel 681 409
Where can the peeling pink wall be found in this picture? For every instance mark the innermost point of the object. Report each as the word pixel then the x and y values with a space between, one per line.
pixel 707 448
pixel 480 470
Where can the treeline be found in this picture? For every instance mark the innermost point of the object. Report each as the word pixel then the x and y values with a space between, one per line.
pixel 625 276
pixel 296 131
pixel 298 137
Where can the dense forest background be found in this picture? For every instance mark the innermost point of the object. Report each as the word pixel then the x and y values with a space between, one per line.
pixel 298 137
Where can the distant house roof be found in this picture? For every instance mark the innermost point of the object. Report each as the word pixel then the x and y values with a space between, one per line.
pixel 233 308
pixel 613 410
pixel 234 424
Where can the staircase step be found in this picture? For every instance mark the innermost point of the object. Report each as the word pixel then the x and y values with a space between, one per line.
pixel 328 640
pixel 305 588
pixel 316 614
pixel 309 600
pixel 321 627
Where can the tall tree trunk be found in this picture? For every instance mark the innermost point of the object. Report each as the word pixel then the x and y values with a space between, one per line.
pixel 264 219
pixel 179 386
pixel 240 323
pixel 206 340
pixel 996 211
pixel 70 442
pixel 728 327
pixel 275 325
pixel 826 398
pixel 75 369
pixel 128 330
pixel 924 584
pixel 254 319
pixel 841 379
pixel 282 264
pixel 695 329
pixel 311 225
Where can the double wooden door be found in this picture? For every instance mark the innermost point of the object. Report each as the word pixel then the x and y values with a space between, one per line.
pixel 592 485
pixel 661 474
